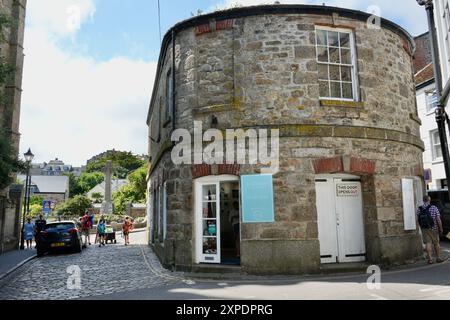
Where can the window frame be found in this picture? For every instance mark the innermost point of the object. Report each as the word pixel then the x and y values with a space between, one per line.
pixel 354 63
pixel 164 218
pixel 434 157
pixel 169 98
pixel 428 96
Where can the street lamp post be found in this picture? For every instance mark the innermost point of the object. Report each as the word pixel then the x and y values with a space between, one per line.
pixel 26 205
pixel 441 115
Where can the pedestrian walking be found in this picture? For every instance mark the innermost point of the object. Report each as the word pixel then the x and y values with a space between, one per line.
pixel 430 223
pixel 29 233
pixel 101 231
pixel 39 226
pixel 126 229
pixel 86 228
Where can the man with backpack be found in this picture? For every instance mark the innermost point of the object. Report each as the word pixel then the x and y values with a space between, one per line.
pixel 430 223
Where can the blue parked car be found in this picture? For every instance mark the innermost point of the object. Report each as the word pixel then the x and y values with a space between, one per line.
pixel 59 236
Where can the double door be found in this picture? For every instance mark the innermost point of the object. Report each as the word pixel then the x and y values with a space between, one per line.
pixel 340 219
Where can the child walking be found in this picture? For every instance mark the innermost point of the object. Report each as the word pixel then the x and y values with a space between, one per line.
pixel 101 232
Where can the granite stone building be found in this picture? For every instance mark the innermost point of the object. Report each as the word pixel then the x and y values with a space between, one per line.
pixel 339 89
pixel 11 49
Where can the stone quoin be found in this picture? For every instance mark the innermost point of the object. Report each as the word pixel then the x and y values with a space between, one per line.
pixel 340 93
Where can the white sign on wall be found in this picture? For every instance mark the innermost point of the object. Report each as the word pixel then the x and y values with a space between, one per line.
pixel 409 204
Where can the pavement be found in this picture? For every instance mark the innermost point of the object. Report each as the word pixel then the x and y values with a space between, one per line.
pixel 12 260
pixel 119 272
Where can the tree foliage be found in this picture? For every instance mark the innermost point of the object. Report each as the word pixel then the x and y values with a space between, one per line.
pixel 134 192
pixel 97 196
pixel 123 163
pixel 85 182
pixel 74 207
pixel 9 163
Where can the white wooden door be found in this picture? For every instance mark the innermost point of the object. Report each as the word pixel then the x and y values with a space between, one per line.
pixel 326 219
pixel 349 221
pixel 208 222
pixel 340 220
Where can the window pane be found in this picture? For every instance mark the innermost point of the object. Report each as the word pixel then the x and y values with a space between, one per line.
pixel 321 36
pixel 322 54
pixel 345 40
pixel 209 245
pixel 347 91
pixel 334 55
pixel 323 71
pixel 346 56
pixel 333 39
pixel 324 90
pixel 437 152
pixel 334 73
pixel 335 90
pixel 346 74
pixel 209 193
pixel 210 228
pixel 209 210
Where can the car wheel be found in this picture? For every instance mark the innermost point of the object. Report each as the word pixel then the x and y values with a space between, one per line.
pixel 78 248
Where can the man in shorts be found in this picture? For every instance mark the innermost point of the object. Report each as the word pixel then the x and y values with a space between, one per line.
pixel 429 219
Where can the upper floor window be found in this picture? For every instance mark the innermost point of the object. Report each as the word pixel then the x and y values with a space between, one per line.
pixel 336 61
pixel 169 95
pixel 432 100
pixel 436 150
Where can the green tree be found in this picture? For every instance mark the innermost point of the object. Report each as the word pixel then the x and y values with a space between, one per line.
pixel 123 163
pixel 134 192
pixel 88 180
pixel 85 182
pixel 9 163
pixel 35 210
pixel 97 196
pixel 74 207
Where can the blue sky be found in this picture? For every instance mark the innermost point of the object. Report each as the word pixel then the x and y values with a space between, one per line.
pixel 90 66
pixel 130 28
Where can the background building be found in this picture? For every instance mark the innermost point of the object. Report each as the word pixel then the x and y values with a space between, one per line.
pixel 51 188
pixel 442 19
pixel 54 168
pixel 342 95
pixel 12 51
pixel 426 105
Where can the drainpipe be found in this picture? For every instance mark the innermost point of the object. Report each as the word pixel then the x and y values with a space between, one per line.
pixel 441 115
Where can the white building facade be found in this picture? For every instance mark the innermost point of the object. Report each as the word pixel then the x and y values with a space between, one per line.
pixel 442 18
pixel 432 156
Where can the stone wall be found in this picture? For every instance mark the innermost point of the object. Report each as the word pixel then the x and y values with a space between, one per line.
pixel 261 71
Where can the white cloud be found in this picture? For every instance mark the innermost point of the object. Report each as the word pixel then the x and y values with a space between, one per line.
pixel 408 13
pixel 59 17
pixel 74 107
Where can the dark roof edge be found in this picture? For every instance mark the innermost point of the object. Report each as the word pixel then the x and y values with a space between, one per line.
pixel 425 84
pixel 421 35
pixel 242 12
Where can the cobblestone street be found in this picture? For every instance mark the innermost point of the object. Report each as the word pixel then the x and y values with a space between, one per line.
pixel 110 269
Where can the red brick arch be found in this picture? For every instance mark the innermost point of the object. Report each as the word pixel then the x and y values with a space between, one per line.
pixel 353 165
pixel 204 170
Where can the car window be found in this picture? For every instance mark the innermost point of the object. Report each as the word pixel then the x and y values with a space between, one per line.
pixel 61 226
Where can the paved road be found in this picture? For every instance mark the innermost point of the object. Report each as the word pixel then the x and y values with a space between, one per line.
pixel 105 270
pixel 133 272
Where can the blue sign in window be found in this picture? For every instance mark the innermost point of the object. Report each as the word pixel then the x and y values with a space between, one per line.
pixel 257 198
